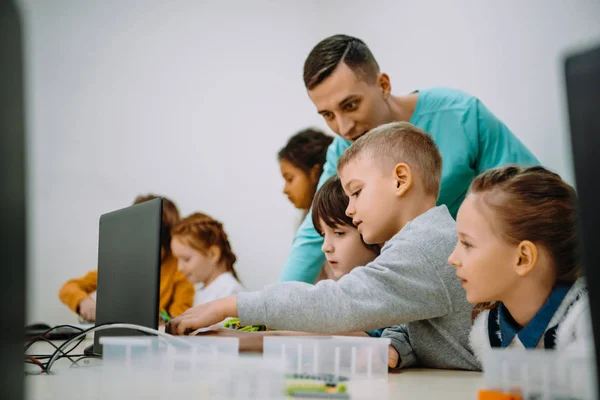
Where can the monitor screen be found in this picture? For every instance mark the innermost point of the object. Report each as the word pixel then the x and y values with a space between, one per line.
pixel 129 260
pixel 582 73
pixel 12 203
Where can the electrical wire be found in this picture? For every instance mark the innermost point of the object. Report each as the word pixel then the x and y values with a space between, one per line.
pixel 43 335
pixel 33 360
pixel 36 359
pixel 80 357
pixel 65 353
pixel 62 352
pixel 106 327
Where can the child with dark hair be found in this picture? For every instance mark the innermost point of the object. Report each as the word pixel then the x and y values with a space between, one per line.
pixel 343 245
pixel 301 162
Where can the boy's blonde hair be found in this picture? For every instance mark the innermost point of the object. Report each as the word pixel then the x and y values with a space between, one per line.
pixel 400 142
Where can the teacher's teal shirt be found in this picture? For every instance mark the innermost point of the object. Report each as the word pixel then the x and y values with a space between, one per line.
pixel 471 140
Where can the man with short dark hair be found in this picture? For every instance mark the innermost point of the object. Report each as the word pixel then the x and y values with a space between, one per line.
pixel 346 85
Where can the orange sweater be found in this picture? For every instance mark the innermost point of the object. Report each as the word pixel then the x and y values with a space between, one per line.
pixel 176 292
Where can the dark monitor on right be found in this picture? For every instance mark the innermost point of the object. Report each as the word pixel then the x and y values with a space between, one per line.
pixel 582 72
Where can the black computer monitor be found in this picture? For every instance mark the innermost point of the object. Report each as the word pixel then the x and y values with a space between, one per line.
pixel 12 203
pixel 582 72
pixel 129 259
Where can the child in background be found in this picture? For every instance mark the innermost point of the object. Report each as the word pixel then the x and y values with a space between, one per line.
pixel 176 293
pixel 392 177
pixel 517 257
pixel 343 245
pixel 204 255
pixel 301 163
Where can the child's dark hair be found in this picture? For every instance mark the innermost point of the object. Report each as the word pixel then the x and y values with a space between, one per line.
pixel 537 205
pixel 201 231
pixel 329 205
pixel 306 149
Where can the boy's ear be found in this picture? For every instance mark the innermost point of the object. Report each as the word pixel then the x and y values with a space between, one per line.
pixel 383 81
pixel 527 254
pixel 214 253
pixel 403 178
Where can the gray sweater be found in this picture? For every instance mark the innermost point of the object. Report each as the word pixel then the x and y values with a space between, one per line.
pixel 410 285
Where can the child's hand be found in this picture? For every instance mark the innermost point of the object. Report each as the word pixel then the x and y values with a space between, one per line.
pixel 203 316
pixel 393 357
pixel 87 309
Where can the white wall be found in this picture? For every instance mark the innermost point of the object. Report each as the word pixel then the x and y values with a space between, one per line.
pixel 193 100
pixel 508 53
pixel 175 98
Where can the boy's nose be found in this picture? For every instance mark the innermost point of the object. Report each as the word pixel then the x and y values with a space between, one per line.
pixel 350 211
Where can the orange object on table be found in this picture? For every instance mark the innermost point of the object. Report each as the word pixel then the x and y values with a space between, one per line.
pixel 493 395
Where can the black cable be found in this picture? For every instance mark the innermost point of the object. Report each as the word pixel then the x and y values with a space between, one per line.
pixel 108 325
pixel 81 336
pixel 82 357
pixel 64 353
pixel 48 356
pixel 42 337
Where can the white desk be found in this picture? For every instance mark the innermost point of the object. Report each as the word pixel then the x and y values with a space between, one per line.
pixel 408 384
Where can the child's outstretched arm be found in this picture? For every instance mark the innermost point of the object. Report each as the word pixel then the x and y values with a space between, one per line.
pixel 203 316
pixel 400 286
pixel 75 290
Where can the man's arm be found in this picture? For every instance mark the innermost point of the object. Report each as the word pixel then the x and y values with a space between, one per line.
pixel 306 258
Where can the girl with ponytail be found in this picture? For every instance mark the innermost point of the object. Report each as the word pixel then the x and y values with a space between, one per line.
pixel 204 255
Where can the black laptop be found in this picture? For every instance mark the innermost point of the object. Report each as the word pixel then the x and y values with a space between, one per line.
pixel 129 259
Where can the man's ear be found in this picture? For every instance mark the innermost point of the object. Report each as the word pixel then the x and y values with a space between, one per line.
pixel 403 178
pixel 527 254
pixel 385 85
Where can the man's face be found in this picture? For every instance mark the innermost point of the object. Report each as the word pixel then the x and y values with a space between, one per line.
pixel 350 105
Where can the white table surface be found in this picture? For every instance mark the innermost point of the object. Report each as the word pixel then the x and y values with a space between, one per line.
pixel 407 384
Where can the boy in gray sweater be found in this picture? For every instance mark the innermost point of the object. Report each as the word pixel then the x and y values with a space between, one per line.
pixel 392 178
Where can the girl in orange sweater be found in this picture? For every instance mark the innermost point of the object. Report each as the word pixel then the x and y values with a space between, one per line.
pixel 176 292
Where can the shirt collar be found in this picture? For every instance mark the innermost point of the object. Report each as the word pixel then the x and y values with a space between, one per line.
pixel 531 333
